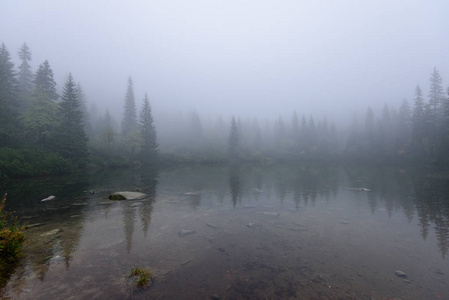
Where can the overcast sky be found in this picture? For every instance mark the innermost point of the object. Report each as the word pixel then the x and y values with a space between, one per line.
pixel 237 56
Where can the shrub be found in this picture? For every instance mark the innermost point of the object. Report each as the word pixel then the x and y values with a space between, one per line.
pixel 11 241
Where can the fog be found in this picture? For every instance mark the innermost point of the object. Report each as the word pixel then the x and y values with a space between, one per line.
pixel 249 58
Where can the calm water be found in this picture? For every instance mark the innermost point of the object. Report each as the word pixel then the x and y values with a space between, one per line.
pixel 272 232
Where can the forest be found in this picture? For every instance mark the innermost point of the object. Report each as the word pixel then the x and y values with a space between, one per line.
pixel 49 130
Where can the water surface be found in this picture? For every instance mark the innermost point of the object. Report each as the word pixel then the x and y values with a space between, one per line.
pixel 235 232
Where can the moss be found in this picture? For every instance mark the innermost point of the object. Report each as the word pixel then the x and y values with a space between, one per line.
pixel 143 278
pixel 116 197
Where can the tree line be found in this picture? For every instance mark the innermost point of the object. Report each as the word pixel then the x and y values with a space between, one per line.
pixel 43 132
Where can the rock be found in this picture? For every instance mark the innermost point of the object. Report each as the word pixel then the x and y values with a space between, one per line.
pixel 49 198
pixel 270 214
pixel 193 194
pixel 407 281
pixel 400 274
pixel 51 232
pixel 186 232
pixel 186 262
pixel 254 225
pixel 34 225
pixel 215 297
pixel 127 196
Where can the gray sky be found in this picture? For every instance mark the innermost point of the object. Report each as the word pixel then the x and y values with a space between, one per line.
pixel 237 56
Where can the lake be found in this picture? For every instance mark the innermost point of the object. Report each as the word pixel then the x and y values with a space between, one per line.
pixel 235 232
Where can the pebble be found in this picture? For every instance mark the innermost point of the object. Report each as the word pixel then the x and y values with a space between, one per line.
pixel 186 232
pixel 400 274
pixel 51 232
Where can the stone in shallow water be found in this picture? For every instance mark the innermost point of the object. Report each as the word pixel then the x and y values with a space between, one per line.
pixel 51 232
pixel 127 195
pixel 254 225
pixel 400 274
pixel 186 232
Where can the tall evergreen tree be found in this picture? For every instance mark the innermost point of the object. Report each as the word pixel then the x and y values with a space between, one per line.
pixel 234 141
pixel 41 120
pixel 72 142
pixel 418 122
pixel 83 107
pixel 44 81
pixel 8 99
pixel 436 92
pixel 25 79
pixel 149 145
pixel 129 122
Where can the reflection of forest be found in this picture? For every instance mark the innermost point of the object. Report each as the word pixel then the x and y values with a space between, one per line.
pixel 412 192
pixel 56 226
pixel 423 199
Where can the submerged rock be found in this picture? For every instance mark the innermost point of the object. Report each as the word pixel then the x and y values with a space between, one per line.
pixel 127 196
pixel 400 274
pixel 49 198
pixel 51 232
pixel 186 232
pixel 254 225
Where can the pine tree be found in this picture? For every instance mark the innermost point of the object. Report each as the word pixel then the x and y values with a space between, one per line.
pixel 72 142
pixel 83 107
pixel 44 81
pixel 41 120
pixel 25 79
pixel 149 145
pixel 9 121
pixel 418 122
pixel 129 122
pixel 234 141
pixel 436 93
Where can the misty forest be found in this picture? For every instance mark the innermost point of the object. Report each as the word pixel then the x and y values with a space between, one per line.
pixel 224 149
pixel 48 129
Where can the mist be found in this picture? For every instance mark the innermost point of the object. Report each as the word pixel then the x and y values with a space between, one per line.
pixel 253 59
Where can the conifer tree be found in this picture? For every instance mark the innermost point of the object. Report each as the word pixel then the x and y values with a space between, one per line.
pixel 25 77
pixel 418 122
pixel 149 145
pixel 9 121
pixel 72 143
pixel 234 141
pixel 83 107
pixel 44 81
pixel 129 122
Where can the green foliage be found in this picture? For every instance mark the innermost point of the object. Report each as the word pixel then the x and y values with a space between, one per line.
pixel 129 122
pixel 19 163
pixel 149 145
pixel 11 240
pixel 143 278
pixel 72 140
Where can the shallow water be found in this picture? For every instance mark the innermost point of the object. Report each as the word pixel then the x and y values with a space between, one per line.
pixel 247 232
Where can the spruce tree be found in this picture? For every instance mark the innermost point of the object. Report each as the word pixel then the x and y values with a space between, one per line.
pixel 25 79
pixel 83 107
pixel 149 145
pixel 44 81
pixel 436 93
pixel 129 122
pixel 9 121
pixel 234 141
pixel 418 122
pixel 41 117
pixel 72 142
